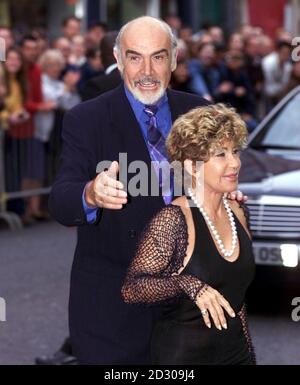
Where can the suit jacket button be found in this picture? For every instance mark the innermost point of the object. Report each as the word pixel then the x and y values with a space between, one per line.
pixel 132 234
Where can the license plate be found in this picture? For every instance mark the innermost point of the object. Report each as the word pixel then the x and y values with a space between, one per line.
pixel 276 254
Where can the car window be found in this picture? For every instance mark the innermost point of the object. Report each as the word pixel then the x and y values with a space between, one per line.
pixel 284 129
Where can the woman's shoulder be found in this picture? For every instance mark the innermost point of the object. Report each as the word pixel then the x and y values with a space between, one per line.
pixel 173 214
pixel 171 211
pixel 182 203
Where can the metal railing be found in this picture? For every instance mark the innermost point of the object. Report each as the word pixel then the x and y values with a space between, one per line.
pixel 12 219
pixel 10 177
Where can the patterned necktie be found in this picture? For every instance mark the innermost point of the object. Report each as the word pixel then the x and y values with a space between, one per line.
pixel 154 136
pixel 158 150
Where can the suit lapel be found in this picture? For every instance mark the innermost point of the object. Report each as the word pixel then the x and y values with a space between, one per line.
pixel 126 130
pixel 176 104
pixel 125 125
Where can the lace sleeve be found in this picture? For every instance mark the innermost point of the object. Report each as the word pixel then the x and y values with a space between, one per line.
pixel 244 320
pixel 150 277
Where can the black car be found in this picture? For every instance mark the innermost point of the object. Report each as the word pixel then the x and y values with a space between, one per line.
pixel 270 176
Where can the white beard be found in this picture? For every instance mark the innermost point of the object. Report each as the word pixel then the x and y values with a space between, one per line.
pixel 148 97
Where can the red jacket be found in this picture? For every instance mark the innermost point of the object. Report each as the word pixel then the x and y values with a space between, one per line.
pixel 34 88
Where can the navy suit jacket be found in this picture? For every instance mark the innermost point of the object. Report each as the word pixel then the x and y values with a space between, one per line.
pixel 100 84
pixel 105 330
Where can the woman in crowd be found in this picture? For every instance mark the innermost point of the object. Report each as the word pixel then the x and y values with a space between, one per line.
pixel 235 88
pixel 18 124
pixel 13 73
pixel 181 79
pixel 198 250
pixel 64 96
pixel 2 94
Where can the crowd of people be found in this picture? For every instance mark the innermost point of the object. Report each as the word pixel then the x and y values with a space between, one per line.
pixel 41 79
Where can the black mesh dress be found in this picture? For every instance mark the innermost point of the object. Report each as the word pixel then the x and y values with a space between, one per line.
pixel 180 336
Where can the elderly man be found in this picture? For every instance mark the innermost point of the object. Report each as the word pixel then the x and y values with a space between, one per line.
pixel 105 330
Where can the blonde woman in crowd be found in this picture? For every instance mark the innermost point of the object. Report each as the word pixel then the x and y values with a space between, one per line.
pixel 64 96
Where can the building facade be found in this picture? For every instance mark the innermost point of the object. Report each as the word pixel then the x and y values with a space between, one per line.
pixel 230 14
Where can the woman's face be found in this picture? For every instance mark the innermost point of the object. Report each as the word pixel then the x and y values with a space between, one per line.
pixel 53 69
pixel 181 73
pixel 234 60
pixel 78 48
pixel 222 169
pixel 13 62
pixel 236 42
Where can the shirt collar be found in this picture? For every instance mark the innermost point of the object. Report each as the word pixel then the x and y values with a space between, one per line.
pixel 111 68
pixel 138 107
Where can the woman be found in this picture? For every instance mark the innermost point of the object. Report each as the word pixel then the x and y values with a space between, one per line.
pixel 62 93
pixel 3 92
pixel 63 96
pixel 235 88
pixel 199 254
pixel 14 114
pixel 18 124
pixel 180 79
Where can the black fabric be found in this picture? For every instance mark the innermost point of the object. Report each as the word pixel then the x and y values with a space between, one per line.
pixel 100 84
pixel 181 336
pixel 105 330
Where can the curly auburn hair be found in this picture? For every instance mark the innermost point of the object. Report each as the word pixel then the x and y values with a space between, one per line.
pixel 196 134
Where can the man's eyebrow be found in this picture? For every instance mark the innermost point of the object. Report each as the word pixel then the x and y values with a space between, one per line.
pixel 160 51
pixel 132 52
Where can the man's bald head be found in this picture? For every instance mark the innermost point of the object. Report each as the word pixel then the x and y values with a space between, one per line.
pixel 145 25
pixel 146 53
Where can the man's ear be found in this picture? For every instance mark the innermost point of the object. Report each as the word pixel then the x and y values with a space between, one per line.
pixel 119 63
pixel 174 61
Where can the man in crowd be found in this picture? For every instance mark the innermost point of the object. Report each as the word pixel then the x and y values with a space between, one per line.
pixel 71 27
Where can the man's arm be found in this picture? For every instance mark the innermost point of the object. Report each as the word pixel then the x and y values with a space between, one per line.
pixel 76 191
pixel 65 200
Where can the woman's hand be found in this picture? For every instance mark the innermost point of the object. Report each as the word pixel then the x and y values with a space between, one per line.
pixel 47 106
pixel 211 304
pixel 19 117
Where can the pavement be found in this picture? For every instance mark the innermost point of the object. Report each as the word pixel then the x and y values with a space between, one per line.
pixel 34 281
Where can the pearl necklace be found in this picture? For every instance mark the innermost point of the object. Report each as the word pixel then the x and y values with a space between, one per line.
pixel 214 231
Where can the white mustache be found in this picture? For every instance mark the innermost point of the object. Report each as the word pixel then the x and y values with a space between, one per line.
pixel 146 81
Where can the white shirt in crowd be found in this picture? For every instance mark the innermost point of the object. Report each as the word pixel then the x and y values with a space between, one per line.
pixel 53 90
pixel 276 76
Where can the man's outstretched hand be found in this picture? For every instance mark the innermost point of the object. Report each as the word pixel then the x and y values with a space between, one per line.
pixel 237 196
pixel 105 191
